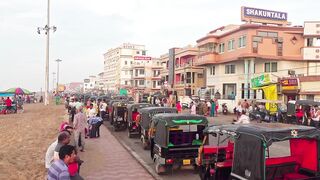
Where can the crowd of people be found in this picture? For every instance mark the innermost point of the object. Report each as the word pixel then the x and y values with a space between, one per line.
pixel 62 159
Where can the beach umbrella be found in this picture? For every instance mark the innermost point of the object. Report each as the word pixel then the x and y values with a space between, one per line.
pixel 18 91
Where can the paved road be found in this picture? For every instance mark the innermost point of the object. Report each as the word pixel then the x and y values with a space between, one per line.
pixel 187 173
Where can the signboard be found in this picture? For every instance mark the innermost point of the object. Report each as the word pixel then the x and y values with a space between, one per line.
pixel 260 81
pixel 249 14
pixel 142 58
pixel 123 92
pixel 289 84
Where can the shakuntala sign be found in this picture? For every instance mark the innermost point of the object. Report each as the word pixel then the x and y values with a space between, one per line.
pixel 263 15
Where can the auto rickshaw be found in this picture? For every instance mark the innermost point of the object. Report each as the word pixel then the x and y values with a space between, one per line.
pixel 119 113
pixel 175 139
pixel 293 111
pixel 133 118
pixel 253 157
pixel 146 115
pixel 110 110
pixel 216 151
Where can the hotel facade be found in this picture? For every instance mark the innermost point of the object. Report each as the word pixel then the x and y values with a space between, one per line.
pixel 232 55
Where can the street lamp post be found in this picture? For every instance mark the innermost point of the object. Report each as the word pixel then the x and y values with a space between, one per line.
pixel 58 61
pixel 47 29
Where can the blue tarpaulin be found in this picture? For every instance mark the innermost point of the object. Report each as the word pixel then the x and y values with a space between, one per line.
pixel 6 94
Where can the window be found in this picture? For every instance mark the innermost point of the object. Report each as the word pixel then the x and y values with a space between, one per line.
pixel 126 82
pixel 230 69
pixel 243 91
pixel 229 91
pixel 159 83
pixel 130 62
pixel 231 45
pixel 255 47
pixel 143 53
pixel 154 84
pixel 242 41
pixel 318 42
pixel 141 72
pixel 212 70
pixel 280 45
pixel 309 42
pixel 125 62
pixel 267 34
pixel 138 52
pixel 221 48
pixel 141 82
pixel 271 67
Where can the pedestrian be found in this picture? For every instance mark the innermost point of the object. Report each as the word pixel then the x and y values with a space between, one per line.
pixel 243 119
pixel 316 117
pixel 178 106
pixel 79 125
pixel 59 169
pixel 193 108
pixel 103 108
pixel 213 108
pixel 216 107
pixel 209 107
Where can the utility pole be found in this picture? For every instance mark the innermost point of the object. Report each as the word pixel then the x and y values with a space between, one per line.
pixel 47 29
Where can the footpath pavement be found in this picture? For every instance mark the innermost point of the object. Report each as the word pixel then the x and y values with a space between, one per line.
pixel 106 159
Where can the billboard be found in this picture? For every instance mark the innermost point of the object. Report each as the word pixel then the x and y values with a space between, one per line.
pixel 250 14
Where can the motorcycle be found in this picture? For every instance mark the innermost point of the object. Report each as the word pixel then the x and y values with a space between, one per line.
pixel 224 108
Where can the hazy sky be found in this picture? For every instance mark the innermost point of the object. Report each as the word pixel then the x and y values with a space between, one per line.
pixel 88 28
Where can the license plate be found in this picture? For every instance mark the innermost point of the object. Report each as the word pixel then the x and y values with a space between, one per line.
pixel 186 162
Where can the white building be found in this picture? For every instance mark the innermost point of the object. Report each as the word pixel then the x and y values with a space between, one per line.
pixel 118 64
pixel 90 84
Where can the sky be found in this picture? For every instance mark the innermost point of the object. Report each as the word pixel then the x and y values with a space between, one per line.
pixel 87 29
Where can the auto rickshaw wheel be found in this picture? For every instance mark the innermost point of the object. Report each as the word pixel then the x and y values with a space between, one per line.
pixel 160 169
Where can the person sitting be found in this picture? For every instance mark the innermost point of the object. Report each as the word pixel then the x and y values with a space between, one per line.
pixel 135 118
pixel 59 168
pixel 243 119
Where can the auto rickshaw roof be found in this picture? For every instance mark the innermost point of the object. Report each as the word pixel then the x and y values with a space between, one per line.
pixel 305 102
pixel 120 104
pixel 138 105
pixel 273 132
pixel 174 119
pixel 227 128
pixel 157 109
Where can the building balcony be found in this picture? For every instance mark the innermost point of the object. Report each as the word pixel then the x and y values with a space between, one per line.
pixel 139 77
pixel 206 58
pixel 311 53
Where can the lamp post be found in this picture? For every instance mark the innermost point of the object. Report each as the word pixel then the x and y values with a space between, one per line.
pixel 58 61
pixel 47 29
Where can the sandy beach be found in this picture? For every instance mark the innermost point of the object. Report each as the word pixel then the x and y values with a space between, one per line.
pixel 25 138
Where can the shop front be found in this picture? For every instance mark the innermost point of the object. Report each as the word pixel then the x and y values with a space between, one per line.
pixel 290 88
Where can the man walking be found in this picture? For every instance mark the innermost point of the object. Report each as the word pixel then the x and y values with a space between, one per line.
pixel 79 126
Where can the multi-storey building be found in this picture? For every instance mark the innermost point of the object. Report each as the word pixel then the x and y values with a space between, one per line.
pixel 234 54
pixel 180 73
pixel 90 84
pixel 118 65
pixel 146 74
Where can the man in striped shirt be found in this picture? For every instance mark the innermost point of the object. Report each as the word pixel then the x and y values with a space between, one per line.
pixel 59 168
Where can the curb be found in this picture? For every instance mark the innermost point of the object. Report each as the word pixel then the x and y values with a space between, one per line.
pixel 136 157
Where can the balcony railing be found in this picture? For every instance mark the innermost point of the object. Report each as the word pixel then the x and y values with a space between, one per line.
pixel 205 58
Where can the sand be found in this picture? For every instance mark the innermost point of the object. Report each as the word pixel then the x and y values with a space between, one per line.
pixel 24 139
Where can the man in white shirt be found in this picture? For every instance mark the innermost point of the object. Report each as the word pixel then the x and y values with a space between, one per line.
pixel 193 108
pixel 103 108
pixel 50 153
pixel 243 119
